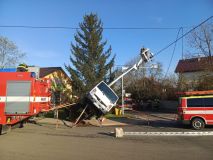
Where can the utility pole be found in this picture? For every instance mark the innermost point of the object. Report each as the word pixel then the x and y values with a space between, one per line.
pixel 122 89
pixel 122 94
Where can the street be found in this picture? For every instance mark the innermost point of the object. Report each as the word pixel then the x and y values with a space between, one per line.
pixel 44 141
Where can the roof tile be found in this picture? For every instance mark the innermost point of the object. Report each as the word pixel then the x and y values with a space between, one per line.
pixel 194 64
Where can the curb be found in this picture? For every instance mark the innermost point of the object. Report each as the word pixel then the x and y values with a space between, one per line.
pixel 120 133
pixel 168 133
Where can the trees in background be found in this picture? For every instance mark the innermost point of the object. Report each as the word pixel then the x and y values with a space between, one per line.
pixel 205 83
pixel 149 83
pixel 10 55
pixel 201 40
pixel 149 88
pixel 90 59
pixel 144 89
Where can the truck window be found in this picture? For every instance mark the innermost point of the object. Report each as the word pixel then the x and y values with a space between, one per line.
pixel 195 102
pixel 208 102
pixel 108 92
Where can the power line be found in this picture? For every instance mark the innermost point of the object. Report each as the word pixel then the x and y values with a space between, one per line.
pixel 36 27
pixel 170 62
pixel 182 44
pixel 74 28
pixel 177 39
pixel 183 36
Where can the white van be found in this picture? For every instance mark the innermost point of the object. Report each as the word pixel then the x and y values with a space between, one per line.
pixel 103 97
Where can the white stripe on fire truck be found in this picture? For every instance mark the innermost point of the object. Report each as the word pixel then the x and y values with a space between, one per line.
pixel 2 99
pixel 209 120
pixel 39 99
pixel 17 99
pixel 24 99
pixel 199 112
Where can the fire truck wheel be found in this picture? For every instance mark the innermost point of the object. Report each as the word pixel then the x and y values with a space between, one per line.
pixel 0 129
pixel 21 125
pixel 198 123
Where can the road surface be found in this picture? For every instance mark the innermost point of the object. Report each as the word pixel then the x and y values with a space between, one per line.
pixel 45 142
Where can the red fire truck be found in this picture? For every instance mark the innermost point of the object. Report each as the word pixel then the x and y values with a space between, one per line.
pixel 21 96
pixel 196 108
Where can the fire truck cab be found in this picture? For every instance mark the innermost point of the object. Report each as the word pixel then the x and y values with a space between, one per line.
pixel 196 108
pixel 21 96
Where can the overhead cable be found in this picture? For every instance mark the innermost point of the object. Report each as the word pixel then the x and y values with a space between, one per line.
pixel 170 62
pixel 74 28
pixel 183 36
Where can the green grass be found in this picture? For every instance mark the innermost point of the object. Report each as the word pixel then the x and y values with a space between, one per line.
pixel 110 115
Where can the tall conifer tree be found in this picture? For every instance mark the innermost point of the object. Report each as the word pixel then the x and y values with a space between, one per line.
pixel 90 60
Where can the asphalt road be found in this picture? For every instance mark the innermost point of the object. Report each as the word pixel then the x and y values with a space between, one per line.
pixel 45 142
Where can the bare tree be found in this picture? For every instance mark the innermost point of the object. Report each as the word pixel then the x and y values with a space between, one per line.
pixel 145 70
pixel 201 40
pixel 156 73
pixel 9 53
pixel 146 82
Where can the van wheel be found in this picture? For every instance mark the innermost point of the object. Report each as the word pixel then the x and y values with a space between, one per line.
pixel 198 123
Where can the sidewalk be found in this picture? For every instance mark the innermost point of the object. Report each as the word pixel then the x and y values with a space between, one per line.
pixel 106 122
pixel 54 121
pixel 93 122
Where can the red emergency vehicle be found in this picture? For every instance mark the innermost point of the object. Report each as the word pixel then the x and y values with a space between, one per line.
pixel 21 96
pixel 196 108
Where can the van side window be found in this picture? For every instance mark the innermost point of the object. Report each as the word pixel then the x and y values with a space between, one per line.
pixel 208 102
pixel 195 102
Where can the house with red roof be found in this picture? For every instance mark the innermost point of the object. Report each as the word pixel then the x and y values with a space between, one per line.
pixel 194 68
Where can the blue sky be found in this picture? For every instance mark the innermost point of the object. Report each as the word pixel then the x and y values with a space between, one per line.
pixel 51 47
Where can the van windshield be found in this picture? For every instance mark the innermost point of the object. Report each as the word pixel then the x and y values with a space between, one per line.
pixel 108 92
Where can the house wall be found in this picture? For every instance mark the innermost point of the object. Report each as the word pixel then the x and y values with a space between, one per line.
pixel 194 76
pixel 60 79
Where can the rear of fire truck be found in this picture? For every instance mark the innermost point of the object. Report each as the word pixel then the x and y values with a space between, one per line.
pixel 21 96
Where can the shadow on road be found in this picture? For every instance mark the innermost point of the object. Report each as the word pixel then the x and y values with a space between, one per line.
pixel 107 134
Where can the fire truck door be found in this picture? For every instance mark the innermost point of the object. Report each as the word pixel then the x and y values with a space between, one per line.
pixel 18 97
